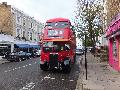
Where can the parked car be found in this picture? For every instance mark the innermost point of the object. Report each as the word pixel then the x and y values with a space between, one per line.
pixel 6 55
pixel 18 56
pixel 79 51
pixel 38 52
pixel 29 55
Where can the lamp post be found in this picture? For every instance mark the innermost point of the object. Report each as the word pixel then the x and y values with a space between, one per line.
pixel 85 43
pixel 85 57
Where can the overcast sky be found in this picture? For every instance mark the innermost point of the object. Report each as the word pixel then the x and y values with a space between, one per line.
pixel 45 9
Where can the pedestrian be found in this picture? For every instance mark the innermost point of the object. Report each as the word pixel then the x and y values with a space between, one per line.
pixel 6 54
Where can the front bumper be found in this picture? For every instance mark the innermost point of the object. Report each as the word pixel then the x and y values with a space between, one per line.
pixel 56 64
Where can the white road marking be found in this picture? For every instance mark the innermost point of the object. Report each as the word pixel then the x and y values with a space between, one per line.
pixel 52 78
pixel 15 68
pixel 28 86
pixel 24 88
pixel 19 68
pixel 23 66
pixel 63 79
pixel 6 71
pixel 32 87
pixel 46 77
pixel 71 80
pixel 26 65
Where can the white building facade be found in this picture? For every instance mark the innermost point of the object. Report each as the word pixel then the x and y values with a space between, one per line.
pixel 25 30
pixel 26 27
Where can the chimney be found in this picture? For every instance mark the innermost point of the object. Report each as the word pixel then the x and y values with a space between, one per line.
pixel 4 3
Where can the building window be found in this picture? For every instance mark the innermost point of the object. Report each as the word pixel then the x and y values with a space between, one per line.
pixel 24 22
pixel 31 25
pixel 23 33
pixel 18 32
pixel 18 18
pixel 30 36
pixel 114 49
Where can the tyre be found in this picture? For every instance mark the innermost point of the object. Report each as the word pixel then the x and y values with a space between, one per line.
pixel 74 58
pixel 10 60
pixel 44 67
pixel 19 59
pixel 67 68
pixel 26 58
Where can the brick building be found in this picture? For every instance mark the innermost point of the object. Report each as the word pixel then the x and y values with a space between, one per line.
pixel 6 24
pixel 113 10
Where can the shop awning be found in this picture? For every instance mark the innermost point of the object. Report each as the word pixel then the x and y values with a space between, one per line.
pixel 113 35
pixel 34 46
pixel 22 45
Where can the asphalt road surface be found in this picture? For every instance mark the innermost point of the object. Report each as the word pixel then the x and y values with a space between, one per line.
pixel 27 75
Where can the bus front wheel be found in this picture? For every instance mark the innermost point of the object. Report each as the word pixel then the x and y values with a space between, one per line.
pixel 44 67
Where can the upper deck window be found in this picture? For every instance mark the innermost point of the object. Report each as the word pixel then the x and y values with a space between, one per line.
pixel 62 24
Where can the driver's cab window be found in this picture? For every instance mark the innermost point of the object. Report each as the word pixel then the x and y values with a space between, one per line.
pixel 48 44
pixel 67 47
pixel 56 48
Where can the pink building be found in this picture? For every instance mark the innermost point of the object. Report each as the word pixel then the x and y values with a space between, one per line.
pixel 113 35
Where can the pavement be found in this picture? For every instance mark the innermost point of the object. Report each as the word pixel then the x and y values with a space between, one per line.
pixel 100 76
pixel 2 61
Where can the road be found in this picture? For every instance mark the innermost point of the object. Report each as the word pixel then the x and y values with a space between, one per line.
pixel 26 75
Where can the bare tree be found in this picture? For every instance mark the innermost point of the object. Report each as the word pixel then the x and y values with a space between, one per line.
pixel 89 19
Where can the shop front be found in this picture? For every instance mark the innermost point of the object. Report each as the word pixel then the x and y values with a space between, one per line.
pixel 21 47
pixel 26 47
pixel 113 36
pixel 5 47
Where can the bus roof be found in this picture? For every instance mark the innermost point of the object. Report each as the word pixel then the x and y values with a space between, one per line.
pixel 57 40
pixel 58 19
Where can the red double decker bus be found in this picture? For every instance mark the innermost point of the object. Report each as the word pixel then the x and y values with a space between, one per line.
pixel 58 45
